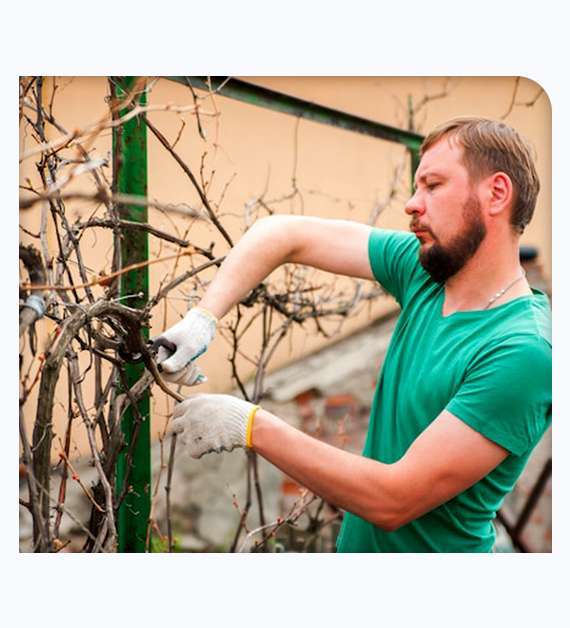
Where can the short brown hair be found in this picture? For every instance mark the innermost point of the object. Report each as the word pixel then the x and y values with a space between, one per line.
pixel 491 146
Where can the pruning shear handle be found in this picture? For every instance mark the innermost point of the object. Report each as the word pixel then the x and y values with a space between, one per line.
pixel 166 344
pixel 151 347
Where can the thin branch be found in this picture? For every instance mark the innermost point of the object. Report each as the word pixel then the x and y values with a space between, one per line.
pixel 102 196
pixel 513 98
pixel 514 103
pixel 89 132
pixel 74 372
pixel 167 490
pixel 106 279
pixel 188 172
pixel 75 476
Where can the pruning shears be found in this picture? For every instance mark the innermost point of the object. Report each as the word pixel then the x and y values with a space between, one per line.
pixel 149 350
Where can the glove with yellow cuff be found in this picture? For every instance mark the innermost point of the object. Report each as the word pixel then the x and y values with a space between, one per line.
pixel 213 423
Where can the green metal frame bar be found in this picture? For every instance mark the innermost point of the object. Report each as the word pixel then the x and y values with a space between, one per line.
pixel 270 99
pixel 277 101
pixel 130 151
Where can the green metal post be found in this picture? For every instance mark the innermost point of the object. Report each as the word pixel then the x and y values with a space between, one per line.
pixel 129 148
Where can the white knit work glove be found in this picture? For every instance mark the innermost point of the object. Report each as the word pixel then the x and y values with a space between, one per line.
pixel 206 423
pixel 191 335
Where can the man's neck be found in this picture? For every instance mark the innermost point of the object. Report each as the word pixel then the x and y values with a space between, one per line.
pixel 490 270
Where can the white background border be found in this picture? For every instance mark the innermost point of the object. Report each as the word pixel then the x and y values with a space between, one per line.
pixel 293 38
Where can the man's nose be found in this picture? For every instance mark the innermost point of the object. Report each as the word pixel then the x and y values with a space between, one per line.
pixel 414 205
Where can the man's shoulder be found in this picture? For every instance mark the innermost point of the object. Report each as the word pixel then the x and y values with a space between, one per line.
pixel 394 261
pixel 527 321
pixel 392 242
pixel 518 349
pixel 516 335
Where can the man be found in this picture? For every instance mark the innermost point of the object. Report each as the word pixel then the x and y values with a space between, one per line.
pixel 465 389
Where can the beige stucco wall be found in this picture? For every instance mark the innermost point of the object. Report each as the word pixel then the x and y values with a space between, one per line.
pixel 339 174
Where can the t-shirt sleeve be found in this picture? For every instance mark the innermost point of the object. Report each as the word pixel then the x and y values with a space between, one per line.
pixel 507 393
pixel 394 260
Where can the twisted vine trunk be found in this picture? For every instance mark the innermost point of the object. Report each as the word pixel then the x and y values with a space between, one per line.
pixel 43 433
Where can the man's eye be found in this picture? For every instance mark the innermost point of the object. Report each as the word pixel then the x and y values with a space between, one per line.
pixel 432 186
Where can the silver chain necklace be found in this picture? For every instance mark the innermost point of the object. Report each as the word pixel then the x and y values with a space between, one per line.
pixel 501 292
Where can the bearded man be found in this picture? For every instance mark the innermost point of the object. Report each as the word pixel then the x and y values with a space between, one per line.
pixel 464 394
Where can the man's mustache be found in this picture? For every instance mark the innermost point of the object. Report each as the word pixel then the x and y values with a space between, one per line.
pixel 416 226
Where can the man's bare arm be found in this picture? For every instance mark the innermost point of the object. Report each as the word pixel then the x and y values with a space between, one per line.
pixel 336 246
pixel 446 459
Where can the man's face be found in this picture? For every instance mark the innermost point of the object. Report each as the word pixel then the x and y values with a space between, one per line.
pixel 446 212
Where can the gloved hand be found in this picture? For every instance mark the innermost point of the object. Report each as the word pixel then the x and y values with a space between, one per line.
pixel 206 423
pixel 191 335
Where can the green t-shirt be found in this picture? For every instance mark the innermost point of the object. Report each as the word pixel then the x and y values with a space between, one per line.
pixel 490 368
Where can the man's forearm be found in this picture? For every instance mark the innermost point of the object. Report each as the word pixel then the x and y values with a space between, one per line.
pixel 267 245
pixel 359 485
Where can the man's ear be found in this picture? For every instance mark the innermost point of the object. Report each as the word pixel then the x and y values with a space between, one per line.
pixel 500 191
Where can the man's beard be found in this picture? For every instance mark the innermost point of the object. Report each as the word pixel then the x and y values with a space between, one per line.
pixel 442 262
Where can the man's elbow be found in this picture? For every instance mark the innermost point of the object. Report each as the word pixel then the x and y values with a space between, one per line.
pixel 389 521
pixel 397 508
pixel 390 514
pixel 275 223
pixel 402 511
pixel 277 232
